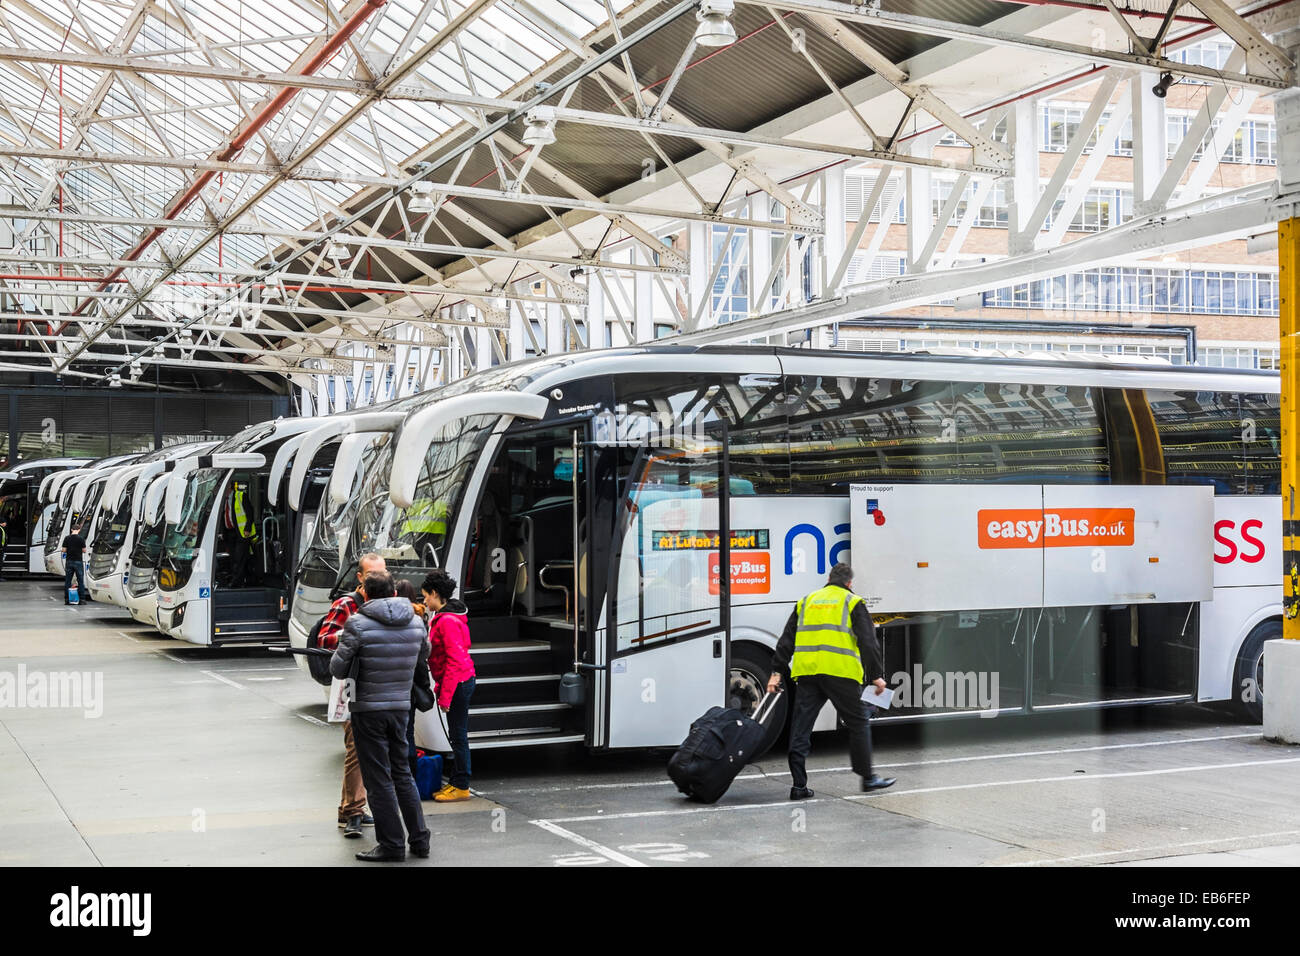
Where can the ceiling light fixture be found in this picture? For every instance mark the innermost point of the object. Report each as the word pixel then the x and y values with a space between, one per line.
pixel 539 127
pixel 422 199
pixel 715 27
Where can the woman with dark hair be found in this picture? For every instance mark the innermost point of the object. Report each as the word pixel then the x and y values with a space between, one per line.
pixel 453 673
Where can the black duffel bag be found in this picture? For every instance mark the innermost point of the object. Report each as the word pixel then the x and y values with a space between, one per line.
pixel 717 748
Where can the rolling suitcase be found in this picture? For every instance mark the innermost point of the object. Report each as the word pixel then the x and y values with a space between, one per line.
pixel 428 775
pixel 717 748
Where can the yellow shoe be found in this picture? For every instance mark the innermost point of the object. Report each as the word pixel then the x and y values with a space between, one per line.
pixel 450 794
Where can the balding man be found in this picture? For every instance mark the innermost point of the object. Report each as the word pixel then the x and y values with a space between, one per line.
pixel 828 646
pixel 352 805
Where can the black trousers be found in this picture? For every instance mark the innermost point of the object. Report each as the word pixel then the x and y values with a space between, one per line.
pixel 380 737
pixel 845 694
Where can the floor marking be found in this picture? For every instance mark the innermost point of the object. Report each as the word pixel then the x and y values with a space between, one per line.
pixel 312 720
pixel 224 680
pixel 251 679
pixel 1047 753
pixel 912 763
pixel 1073 776
pixel 172 657
pixel 1164 846
pixel 130 638
pixel 586 844
pixel 674 813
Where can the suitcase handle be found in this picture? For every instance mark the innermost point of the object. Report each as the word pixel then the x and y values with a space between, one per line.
pixel 769 700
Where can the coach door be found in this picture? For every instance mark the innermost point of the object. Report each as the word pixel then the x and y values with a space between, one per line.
pixel 667 615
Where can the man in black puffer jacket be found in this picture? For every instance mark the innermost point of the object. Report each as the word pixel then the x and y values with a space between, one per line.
pixel 389 645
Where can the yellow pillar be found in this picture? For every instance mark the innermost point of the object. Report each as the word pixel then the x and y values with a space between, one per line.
pixel 1288 259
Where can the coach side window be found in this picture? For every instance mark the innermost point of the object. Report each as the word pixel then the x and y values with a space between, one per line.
pixel 1202 438
pixel 846 430
pixel 752 408
pixel 1261 439
pixel 1028 433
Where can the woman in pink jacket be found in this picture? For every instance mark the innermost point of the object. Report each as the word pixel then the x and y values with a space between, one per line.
pixel 453 674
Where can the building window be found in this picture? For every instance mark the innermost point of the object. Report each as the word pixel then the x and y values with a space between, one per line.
pixel 730 292
pixel 1134 289
pixel 1101 208
pixel 1060 122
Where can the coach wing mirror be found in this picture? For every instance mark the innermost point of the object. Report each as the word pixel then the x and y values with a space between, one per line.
pixel 81 492
pixel 331 429
pixel 152 504
pixel 117 484
pixel 347 462
pixel 280 464
pixel 424 427
pixel 285 453
pixel 53 483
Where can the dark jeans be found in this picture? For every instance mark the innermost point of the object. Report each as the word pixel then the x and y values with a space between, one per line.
pixel 380 736
pixel 410 738
pixel 458 732
pixel 79 569
pixel 811 693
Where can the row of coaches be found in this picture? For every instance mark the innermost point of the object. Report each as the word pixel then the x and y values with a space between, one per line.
pixel 589 504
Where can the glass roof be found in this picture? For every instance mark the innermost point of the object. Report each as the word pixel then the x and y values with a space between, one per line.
pixel 125 118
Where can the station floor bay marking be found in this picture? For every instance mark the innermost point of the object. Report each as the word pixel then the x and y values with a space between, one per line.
pixel 885 795
pixel 551 827
pixel 910 763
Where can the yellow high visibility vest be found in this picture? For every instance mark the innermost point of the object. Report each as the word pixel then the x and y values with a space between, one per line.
pixel 426 516
pixel 243 520
pixel 823 640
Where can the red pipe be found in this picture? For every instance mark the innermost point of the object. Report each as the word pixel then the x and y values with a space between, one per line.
pixel 264 116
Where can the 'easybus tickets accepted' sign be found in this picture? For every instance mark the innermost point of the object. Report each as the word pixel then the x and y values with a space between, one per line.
pixel 1055 527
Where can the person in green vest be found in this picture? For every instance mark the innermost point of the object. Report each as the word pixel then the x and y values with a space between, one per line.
pixel 426 516
pixel 242 521
pixel 826 644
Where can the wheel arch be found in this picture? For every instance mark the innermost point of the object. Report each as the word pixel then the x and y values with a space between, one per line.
pixel 1264 614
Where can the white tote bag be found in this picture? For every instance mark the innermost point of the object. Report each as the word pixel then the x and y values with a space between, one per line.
pixel 342 691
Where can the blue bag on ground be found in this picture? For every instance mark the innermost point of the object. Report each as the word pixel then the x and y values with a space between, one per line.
pixel 428 775
pixel 74 596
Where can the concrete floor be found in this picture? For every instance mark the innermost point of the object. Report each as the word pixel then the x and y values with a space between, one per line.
pixel 222 758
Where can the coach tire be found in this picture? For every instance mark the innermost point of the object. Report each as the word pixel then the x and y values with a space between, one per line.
pixel 1250 667
pixel 750 668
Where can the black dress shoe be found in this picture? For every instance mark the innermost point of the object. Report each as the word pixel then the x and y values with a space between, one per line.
pixel 876 782
pixel 380 854
pixel 352 830
pixel 800 793
pixel 420 851
pixel 366 821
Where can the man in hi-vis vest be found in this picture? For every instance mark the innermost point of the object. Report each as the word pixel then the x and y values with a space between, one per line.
pixel 825 645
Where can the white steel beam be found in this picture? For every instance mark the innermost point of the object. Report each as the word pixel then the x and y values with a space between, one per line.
pixel 1225 216
pixel 988 35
